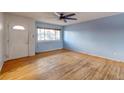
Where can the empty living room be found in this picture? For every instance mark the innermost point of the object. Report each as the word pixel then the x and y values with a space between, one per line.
pixel 61 46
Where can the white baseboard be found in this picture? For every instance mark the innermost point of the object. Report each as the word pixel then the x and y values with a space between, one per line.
pixel 96 55
pixel 49 50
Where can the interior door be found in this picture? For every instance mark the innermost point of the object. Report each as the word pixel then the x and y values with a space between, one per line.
pixel 18 41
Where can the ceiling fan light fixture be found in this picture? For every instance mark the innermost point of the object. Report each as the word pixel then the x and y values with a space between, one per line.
pixel 66 17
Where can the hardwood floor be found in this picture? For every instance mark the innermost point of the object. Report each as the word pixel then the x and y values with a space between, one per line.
pixel 62 65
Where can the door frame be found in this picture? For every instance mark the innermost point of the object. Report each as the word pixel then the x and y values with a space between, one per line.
pixel 9 27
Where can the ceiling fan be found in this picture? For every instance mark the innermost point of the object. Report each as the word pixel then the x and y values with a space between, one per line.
pixel 64 17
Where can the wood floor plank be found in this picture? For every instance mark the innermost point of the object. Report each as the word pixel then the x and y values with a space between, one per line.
pixel 62 65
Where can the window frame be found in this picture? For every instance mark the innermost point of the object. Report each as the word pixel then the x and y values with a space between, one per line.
pixel 18 27
pixel 56 40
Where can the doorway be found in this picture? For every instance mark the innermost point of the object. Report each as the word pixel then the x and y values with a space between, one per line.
pixel 18 41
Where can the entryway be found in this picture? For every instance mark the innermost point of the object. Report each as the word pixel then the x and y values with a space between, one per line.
pixel 18 41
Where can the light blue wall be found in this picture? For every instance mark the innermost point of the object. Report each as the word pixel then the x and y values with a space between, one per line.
pixel 49 45
pixel 1 40
pixel 102 37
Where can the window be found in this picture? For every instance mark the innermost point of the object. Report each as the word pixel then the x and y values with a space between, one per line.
pixel 48 34
pixel 18 27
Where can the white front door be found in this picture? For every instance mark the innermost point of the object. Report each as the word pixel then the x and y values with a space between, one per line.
pixel 18 41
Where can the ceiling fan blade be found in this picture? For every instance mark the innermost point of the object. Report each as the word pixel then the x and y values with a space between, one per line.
pixel 65 20
pixel 71 18
pixel 70 15
pixel 57 14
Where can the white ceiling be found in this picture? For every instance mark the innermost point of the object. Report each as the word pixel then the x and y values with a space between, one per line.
pixel 50 17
